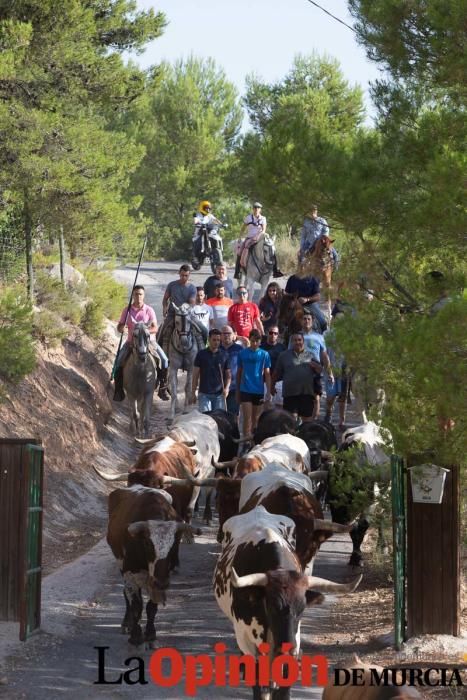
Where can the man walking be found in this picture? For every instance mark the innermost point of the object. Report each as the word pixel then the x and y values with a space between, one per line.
pixel 252 375
pixel 219 276
pixel 233 350
pixel 212 372
pixel 201 312
pixel 274 348
pixel 295 368
pixel 244 315
pixel 220 305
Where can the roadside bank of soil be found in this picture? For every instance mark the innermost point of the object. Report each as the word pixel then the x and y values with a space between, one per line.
pixel 64 404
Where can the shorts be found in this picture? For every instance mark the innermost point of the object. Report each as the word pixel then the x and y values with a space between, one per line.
pixel 302 404
pixel 338 389
pixel 255 399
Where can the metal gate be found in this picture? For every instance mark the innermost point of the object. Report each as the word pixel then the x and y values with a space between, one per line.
pixel 21 500
pixel 30 618
pixel 398 487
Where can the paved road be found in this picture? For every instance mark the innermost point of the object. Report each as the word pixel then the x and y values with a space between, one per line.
pixel 83 602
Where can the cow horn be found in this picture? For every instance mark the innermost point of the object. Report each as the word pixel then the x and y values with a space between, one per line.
pixel 144 441
pixel 319 474
pixel 189 443
pixel 238 441
pixel 221 435
pixel 224 465
pixel 329 526
pixel 324 586
pixel 110 477
pixel 248 580
pixel 169 480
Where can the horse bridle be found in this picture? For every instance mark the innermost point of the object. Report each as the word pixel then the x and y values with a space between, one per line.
pixel 183 333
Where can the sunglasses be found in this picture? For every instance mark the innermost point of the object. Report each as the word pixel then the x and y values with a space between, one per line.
pixel 242 294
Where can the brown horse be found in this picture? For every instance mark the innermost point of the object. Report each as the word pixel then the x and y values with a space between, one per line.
pixel 320 263
pixel 290 316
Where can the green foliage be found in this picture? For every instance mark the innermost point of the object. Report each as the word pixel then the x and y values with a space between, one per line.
pixel 188 122
pixel 61 81
pixel 304 126
pixel 107 298
pixel 62 302
pixel 17 356
pixel 49 328
pixel 351 480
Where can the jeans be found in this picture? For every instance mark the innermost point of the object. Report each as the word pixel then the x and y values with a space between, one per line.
pixel 209 402
pixel 320 317
pixel 126 349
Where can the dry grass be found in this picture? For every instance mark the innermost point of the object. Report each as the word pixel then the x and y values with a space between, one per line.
pixel 286 251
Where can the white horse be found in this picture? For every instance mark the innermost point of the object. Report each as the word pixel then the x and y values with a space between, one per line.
pixel 183 347
pixel 139 381
pixel 259 267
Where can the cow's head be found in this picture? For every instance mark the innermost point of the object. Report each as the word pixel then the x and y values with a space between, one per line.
pixel 156 540
pixel 247 465
pixel 283 595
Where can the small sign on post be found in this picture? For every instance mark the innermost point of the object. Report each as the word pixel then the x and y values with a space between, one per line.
pixel 427 482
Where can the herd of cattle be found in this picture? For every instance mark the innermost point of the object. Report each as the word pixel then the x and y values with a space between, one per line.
pixel 271 522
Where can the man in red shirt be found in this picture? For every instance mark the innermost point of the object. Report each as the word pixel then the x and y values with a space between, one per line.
pixel 244 315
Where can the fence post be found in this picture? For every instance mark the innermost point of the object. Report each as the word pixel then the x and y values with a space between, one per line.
pixel 399 548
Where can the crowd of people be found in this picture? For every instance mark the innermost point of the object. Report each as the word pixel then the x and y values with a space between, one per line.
pixel 245 365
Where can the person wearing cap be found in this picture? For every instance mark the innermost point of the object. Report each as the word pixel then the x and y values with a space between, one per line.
pixel 220 305
pixel 314 227
pixel 254 225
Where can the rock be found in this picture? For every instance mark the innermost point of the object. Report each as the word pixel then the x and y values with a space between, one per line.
pixel 73 277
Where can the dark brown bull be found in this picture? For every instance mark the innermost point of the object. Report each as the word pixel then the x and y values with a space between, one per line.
pixel 144 533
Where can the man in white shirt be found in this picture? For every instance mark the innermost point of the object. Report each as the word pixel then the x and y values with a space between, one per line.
pixel 201 311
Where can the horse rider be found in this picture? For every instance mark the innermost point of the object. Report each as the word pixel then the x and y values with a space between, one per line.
pixel 179 292
pixel 139 312
pixel 314 227
pixel 203 218
pixel 255 226
pixel 306 289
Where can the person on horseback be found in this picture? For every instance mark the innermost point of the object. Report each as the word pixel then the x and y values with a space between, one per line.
pixel 139 312
pixel 179 292
pixel 314 227
pixel 306 289
pixel 254 225
pixel 203 218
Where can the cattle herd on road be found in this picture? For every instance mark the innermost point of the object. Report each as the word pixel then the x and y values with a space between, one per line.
pixel 270 506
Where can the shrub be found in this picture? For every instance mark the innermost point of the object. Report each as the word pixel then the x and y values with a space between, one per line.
pixel 49 327
pixel 65 303
pixel 107 299
pixel 17 353
pixel 286 251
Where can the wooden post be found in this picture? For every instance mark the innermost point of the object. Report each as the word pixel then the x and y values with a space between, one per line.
pixel 433 560
pixel 61 245
pixel 28 241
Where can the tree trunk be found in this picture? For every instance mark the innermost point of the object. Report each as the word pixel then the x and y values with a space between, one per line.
pixel 28 239
pixel 61 245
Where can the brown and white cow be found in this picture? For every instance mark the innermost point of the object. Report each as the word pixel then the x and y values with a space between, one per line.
pixel 143 533
pixel 259 583
pixel 283 492
pixel 159 463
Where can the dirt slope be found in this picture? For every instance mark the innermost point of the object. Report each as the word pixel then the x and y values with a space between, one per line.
pixel 64 403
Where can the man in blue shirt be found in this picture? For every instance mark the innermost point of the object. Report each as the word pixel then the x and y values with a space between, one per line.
pixel 307 291
pixel 314 227
pixel 212 371
pixel 233 350
pixel 253 373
